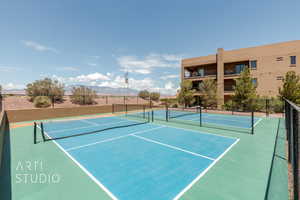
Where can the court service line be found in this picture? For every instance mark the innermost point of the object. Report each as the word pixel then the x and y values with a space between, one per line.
pixel 172 147
pixel 70 129
pixel 110 139
pixel 205 171
pixel 85 170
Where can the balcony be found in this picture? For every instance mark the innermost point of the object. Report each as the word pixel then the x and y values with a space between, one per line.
pixel 196 75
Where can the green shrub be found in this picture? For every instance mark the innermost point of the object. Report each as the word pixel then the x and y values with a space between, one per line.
pixel 83 95
pixel 276 105
pixel 42 102
pixel 228 105
pixel 175 105
pixel 46 87
pixel 144 94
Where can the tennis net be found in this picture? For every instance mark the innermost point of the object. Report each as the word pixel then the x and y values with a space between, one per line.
pixel 195 116
pixel 180 112
pixel 66 128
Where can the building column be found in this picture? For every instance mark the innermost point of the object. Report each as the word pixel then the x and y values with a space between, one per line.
pixel 220 78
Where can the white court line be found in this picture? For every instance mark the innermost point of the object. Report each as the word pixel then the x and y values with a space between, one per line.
pixel 110 139
pixel 257 122
pixel 85 170
pixel 229 126
pixel 204 172
pixel 88 122
pixel 196 131
pixel 71 129
pixel 209 117
pixel 173 147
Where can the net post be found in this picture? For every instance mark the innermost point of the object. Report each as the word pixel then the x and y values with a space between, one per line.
pixel 34 133
pixel 200 113
pixel 144 110
pixel 232 107
pixel 252 122
pixel 113 108
pixel 124 100
pixel 106 99
pixel 43 133
pixel 126 109
pixel 152 115
pixel 167 113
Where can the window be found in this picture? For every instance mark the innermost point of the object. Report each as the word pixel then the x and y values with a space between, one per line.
pixel 279 59
pixel 239 68
pixel 254 82
pixel 279 77
pixel 201 72
pixel 187 73
pixel 293 60
pixel 253 64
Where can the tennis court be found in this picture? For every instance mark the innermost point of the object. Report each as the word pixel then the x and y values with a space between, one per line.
pixel 138 160
pixel 238 122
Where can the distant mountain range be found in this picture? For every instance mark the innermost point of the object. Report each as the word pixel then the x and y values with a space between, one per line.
pixel 108 90
pixel 99 90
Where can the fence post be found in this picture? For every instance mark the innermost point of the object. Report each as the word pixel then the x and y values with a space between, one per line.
pixel 167 113
pixel 267 107
pixel 200 111
pixel 297 155
pixel 252 122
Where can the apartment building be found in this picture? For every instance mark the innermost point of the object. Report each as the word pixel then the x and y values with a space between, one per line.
pixel 268 65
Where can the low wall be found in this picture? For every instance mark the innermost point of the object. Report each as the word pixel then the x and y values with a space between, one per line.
pixel 47 113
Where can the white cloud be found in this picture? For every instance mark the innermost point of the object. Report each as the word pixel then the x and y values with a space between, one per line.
pixel 146 64
pixel 38 47
pixel 110 80
pixel 67 69
pixel 172 76
pixel 12 86
pixel 93 77
pixel 8 69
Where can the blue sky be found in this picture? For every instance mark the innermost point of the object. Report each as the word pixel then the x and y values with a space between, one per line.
pixel 93 42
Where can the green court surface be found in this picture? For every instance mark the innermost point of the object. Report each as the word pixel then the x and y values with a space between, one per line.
pixel 242 173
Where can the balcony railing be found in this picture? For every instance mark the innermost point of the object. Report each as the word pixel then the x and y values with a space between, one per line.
pixel 201 75
pixel 229 88
pixel 231 73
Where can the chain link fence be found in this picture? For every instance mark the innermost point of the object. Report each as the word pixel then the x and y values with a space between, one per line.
pixel 292 122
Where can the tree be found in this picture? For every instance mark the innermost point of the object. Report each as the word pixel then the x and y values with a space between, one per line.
pixel 208 89
pixel 46 87
pixel 186 93
pixel 144 94
pixel 244 90
pixel 155 96
pixel 83 95
pixel 291 87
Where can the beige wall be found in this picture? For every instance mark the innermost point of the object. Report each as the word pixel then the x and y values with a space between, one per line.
pixel 268 66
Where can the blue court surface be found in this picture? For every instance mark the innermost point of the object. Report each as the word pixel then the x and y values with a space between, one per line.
pixel 238 121
pixel 146 161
